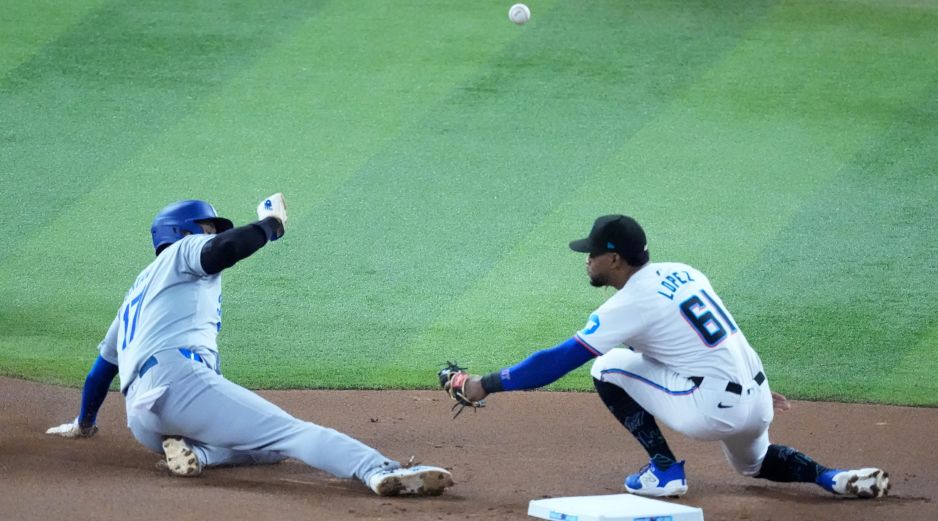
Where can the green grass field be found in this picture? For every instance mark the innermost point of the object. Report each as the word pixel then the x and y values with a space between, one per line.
pixel 437 159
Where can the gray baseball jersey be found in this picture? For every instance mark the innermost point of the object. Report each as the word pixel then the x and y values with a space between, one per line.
pixel 172 304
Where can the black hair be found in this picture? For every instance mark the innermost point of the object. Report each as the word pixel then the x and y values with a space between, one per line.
pixel 638 260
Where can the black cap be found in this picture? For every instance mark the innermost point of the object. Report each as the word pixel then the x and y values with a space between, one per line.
pixel 618 233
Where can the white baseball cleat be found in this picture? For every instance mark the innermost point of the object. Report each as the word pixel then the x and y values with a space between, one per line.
pixel 414 481
pixel 180 459
pixel 862 483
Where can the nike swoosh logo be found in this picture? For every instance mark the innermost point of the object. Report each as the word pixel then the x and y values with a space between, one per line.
pixel 721 406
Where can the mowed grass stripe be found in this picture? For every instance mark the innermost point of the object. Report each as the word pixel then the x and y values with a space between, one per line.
pixel 27 26
pixel 840 292
pixel 913 356
pixel 319 283
pixel 317 106
pixel 863 255
pixel 93 98
pixel 917 388
pixel 382 93
pixel 466 188
pixel 301 119
pixel 712 190
pixel 78 110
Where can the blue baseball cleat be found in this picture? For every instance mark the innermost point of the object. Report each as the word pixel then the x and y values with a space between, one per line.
pixel 653 482
pixel 863 483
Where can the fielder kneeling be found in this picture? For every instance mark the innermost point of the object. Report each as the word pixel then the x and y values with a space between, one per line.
pixel 667 347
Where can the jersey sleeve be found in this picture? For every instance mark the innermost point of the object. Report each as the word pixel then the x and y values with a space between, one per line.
pixel 607 328
pixel 189 254
pixel 108 347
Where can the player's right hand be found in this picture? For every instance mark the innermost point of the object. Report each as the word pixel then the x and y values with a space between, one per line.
pixel 73 430
pixel 274 206
pixel 780 402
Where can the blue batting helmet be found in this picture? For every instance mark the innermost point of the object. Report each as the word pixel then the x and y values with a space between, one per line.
pixel 184 216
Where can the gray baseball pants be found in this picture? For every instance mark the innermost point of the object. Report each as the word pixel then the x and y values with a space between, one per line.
pixel 227 424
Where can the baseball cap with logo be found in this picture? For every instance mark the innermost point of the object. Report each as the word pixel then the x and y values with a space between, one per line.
pixel 618 233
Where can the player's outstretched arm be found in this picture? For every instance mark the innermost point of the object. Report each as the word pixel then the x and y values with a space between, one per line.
pixel 93 395
pixel 537 370
pixel 231 246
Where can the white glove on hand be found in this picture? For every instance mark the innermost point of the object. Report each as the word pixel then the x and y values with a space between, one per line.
pixel 73 430
pixel 273 206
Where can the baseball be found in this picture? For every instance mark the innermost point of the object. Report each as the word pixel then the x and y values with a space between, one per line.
pixel 519 14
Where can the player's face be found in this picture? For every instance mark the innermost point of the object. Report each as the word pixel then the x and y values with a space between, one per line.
pixel 208 228
pixel 598 266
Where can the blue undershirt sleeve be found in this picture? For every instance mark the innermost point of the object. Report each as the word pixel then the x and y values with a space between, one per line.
pixel 545 366
pixel 95 391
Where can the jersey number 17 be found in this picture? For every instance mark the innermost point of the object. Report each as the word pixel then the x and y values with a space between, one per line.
pixel 136 303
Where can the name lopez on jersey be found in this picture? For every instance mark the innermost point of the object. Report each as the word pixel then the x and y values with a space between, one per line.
pixel 673 282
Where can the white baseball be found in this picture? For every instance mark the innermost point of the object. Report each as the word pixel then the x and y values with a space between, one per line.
pixel 519 14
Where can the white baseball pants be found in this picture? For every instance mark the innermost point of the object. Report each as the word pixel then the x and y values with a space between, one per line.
pixel 705 412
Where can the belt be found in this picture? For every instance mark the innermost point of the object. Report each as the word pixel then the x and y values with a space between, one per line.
pixel 731 387
pixel 152 361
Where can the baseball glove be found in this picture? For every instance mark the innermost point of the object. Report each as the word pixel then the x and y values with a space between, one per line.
pixel 453 380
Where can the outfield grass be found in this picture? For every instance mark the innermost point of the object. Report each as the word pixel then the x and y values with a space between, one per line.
pixel 437 159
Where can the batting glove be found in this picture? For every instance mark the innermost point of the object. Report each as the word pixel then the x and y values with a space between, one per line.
pixel 274 206
pixel 73 430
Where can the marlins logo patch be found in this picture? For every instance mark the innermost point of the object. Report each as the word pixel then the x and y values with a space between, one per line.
pixel 591 325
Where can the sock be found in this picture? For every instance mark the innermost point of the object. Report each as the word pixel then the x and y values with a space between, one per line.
pixel 637 420
pixel 786 464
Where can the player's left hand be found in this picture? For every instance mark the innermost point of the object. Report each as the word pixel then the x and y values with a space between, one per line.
pixel 463 387
pixel 73 430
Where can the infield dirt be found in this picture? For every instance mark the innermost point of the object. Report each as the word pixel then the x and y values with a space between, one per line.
pixel 523 446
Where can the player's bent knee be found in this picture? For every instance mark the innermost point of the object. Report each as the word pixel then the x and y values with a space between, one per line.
pixel 596 371
pixel 750 469
pixel 617 359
